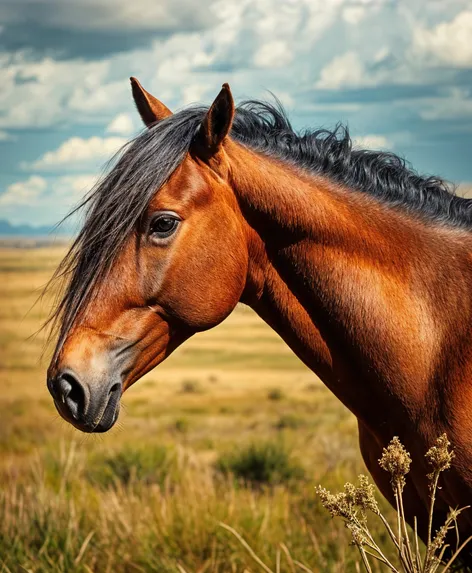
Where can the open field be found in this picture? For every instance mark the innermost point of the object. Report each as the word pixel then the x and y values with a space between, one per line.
pixel 150 494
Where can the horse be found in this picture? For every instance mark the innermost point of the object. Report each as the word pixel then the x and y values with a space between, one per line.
pixel 360 264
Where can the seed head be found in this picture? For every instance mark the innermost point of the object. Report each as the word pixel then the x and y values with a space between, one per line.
pixel 396 461
pixel 353 498
pixel 365 496
pixel 439 456
pixel 337 504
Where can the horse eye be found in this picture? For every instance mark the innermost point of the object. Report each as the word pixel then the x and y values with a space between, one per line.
pixel 163 225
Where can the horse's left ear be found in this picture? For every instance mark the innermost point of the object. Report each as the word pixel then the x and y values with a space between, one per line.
pixel 217 122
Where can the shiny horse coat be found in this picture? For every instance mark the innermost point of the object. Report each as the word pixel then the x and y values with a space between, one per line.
pixel 361 265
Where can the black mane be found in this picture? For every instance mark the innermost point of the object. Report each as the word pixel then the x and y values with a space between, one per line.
pixel 266 128
pixel 114 207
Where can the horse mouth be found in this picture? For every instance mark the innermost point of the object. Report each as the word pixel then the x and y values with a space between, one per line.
pixel 109 417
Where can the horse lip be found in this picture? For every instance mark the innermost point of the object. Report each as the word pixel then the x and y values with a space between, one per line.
pixel 109 415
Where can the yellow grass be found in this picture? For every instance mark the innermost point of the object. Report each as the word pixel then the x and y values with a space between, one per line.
pixel 61 511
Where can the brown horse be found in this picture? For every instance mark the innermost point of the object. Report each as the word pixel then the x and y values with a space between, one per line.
pixel 361 265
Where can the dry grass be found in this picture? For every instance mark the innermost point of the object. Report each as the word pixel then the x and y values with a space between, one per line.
pixel 149 495
pixel 355 503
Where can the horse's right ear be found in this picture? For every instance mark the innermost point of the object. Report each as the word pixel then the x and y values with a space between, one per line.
pixel 150 109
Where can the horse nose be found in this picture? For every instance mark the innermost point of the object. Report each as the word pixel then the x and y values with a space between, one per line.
pixel 89 407
pixel 69 394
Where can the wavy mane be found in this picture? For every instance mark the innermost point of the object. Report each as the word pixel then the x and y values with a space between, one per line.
pixel 114 207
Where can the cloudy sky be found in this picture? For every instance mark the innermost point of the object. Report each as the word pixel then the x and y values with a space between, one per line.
pixel 399 72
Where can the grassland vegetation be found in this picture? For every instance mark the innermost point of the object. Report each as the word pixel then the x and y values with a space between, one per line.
pixel 202 440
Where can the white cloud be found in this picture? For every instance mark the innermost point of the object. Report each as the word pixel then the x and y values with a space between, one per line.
pixel 94 98
pixel 321 44
pixel 45 92
pixel 285 98
pixel 292 48
pixel 193 93
pixel 39 191
pixel 122 124
pixel 407 55
pixel 372 141
pixel 346 70
pixel 77 152
pixel 354 14
pixel 39 200
pixel 355 11
pixel 448 43
pixel 237 45
pixel 274 54
pixel 356 69
pixel 24 192
pixel 73 186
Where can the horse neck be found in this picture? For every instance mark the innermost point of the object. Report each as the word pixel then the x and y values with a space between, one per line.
pixel 366 295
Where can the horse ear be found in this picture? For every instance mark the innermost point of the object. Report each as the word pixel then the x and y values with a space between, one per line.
pixel 150 109
pixel 217 122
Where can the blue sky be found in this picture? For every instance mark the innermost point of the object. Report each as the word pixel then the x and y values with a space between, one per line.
pixel 399 73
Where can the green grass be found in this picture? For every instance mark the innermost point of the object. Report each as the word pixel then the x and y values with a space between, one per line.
pixel 290 421
pixel 147 465
pixel 261 463
pixel 276 394
pixel 182 425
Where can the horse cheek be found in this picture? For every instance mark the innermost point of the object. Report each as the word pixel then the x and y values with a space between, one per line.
pixel 207 288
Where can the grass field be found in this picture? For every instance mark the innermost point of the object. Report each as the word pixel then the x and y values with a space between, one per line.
pixel 232 428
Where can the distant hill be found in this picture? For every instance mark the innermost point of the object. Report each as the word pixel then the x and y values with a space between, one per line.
pixel 465 190
pixel 9 230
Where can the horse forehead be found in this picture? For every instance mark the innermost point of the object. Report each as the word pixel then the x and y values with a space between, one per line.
pixel 189 180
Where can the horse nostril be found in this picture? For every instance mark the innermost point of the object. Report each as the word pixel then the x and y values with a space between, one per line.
pixel 115 388
pixel 70 392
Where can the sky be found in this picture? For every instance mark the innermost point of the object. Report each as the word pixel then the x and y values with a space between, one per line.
pixel 397 72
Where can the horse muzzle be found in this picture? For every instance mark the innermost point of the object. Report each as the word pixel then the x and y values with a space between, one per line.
pixel 90 407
